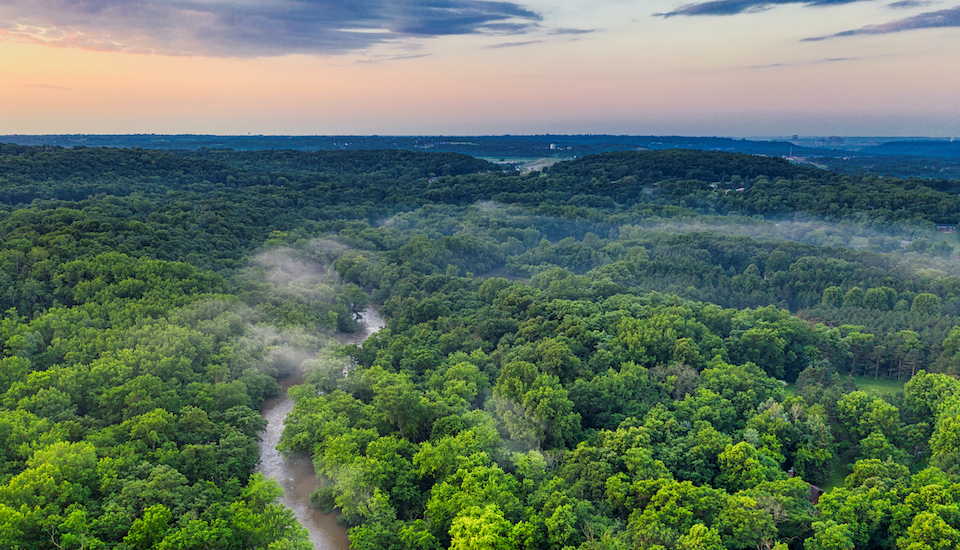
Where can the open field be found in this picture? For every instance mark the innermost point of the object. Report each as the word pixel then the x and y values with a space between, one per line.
pixel 527 164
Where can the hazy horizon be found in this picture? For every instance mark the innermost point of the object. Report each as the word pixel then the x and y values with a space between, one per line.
pixel 783 137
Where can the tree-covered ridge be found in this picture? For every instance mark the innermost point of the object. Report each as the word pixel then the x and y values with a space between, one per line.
pixel 398 163
pixel 627 391
pixel 29 173
pixel 90 201
pixel 75 174
pixel 725 182
pixel 708 182
pixel 684 164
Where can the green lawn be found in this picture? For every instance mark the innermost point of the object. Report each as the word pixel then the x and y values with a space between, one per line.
pixel 881 386
pixel 840 473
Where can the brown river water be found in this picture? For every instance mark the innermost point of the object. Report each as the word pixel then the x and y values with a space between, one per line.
pixel 295 474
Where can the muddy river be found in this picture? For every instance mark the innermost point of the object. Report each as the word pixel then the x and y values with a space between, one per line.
pixel 296 474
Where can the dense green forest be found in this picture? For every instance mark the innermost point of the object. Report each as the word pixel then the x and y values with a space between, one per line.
pixel 658 349
pixel 937 159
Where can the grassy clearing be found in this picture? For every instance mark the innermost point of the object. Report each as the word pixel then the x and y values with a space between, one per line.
pixel 840 473
pixel 880 386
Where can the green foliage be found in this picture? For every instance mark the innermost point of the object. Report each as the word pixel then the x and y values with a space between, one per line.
pixel 534 407
pixel 626 391
pixel 478 528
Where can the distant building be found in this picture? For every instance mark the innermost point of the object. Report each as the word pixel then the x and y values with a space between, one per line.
pixel 946 229
pixel 832 141
pixel 815 491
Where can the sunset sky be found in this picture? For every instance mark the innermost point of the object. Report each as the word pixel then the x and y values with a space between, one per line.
pixel 725 67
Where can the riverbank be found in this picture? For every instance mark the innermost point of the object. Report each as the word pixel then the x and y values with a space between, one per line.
pixel 295 474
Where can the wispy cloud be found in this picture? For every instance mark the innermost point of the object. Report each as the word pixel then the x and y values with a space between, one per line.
pixel 46 87
pixel 572 31
pixel 904 4
pixel 815 62
pixel 255 27
pixel 513 44
pixel 734 7
pixel 381 59
pixel 930 20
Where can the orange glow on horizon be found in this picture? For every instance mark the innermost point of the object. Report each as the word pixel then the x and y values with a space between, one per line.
pixel 618 82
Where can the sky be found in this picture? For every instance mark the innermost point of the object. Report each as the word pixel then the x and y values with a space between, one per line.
pixel 470 67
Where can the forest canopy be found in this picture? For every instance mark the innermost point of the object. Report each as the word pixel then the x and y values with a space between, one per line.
pixel 658 349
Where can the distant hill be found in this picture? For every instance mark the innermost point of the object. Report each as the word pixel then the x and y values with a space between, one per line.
pixel 43 172
pixel 348 162
pixel 927 148
pixel 682 164
pixel 926 158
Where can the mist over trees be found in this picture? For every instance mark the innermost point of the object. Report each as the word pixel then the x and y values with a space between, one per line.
pixel 631 350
